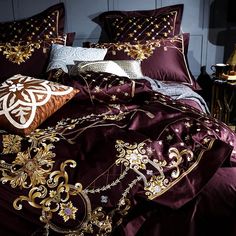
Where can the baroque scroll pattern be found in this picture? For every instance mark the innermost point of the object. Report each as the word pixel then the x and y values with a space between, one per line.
pixel 47 187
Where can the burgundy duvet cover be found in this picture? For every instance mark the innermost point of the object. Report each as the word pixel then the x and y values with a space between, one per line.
pixel 119 159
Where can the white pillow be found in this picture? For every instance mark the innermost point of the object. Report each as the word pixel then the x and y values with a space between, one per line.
pixel 128 68
pixel 61 56
pixel 97 66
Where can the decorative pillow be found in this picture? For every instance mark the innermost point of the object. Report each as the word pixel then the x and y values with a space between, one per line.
pixel 45 25
pixel 123 26
pixel 128 68
pixel 161 59
pixel 25 102
pixel 26 57
pixel 97 66
pixel 61 56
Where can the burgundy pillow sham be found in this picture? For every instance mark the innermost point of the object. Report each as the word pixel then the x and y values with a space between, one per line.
pixel 47 24
pixel 161 59
pixel 27 58
pixel 123 26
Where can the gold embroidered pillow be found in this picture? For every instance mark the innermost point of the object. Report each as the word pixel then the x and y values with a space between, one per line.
pixel 25 102
pixel 26 57
pixel 45 25
pixel 161 59
pixel 124 26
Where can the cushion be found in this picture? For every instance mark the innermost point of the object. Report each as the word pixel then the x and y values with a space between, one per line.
pixel 25 102
pixel 61 56
pixel 128 68
pixel 97 66
pixel 26 57
pixel 47 24
pixel 162 59
pixel 123 26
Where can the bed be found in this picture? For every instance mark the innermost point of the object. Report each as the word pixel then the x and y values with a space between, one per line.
pixel 110 139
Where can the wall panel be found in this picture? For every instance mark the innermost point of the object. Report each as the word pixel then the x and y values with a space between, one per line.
pixel 195 53
pixel 132 4
pixel 79 15
pixel 7 10
pixel 26 8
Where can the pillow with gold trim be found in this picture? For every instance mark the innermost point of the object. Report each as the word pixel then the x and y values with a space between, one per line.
pixel 123 26
pixel 26 57
pixel 42 26
pixel 161 59
pixel 25 102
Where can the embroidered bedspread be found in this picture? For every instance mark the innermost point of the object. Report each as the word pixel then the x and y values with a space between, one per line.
pixel 81 172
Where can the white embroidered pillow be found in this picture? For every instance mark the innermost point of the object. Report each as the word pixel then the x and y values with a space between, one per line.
pixel 62 56
pixel 25 102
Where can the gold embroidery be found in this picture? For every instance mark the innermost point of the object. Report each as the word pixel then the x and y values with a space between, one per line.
pixel 20 52
pixel 131 155
pixel 67 211
pixel 141 51
pixel 135 27
pixel 11 144
pixel 51 191
pixel 164 173
pixel 27 170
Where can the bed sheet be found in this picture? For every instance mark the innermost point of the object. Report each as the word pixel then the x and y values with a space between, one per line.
pixel 118 153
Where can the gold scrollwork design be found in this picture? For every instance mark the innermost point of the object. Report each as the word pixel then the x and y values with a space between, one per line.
pixel 29 168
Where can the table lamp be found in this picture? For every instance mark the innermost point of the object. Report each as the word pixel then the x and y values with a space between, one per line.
pixel 232 60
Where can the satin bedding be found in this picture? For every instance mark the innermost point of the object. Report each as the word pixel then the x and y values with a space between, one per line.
pixel 118 159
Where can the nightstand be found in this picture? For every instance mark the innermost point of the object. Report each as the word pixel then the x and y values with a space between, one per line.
pixel 223 102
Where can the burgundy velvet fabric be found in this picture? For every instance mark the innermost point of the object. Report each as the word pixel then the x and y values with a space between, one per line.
pixel 163 59
pixel 135 167
pixel 123 26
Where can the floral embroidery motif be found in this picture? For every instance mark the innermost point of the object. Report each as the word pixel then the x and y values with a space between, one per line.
pixel 11 144
pixel 67 211
pixel 27 170
pixel 20 52
pixel 138 159
pixel 132 155
pixel 21 95
pixel 140 50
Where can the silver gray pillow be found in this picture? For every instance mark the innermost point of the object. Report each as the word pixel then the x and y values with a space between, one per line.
pixel 128 68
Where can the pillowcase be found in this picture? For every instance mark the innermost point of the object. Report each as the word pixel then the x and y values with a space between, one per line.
pixel 61 56
pixel 161 59
pixel 42 26
pixel 123 26
pixel 25 102
pixel 128 68
pixel 26 57
pixel 97 66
